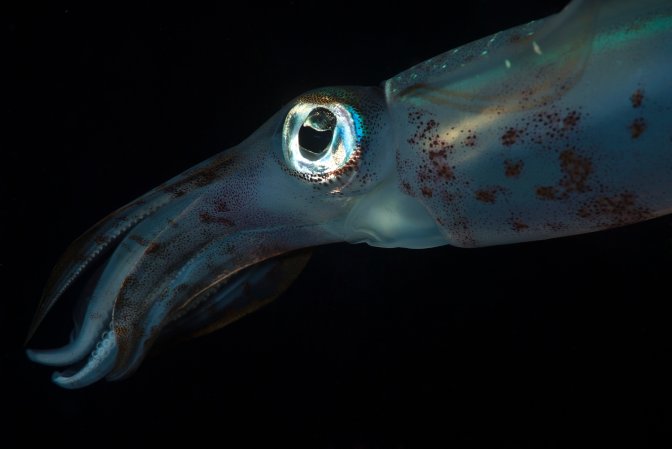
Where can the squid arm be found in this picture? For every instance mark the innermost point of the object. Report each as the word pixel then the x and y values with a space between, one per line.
pixel 558 127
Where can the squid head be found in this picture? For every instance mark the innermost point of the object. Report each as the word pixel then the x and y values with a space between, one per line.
pixel 220 239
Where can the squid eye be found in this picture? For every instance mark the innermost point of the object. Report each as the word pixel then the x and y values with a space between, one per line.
pixel 316 134
pixel 319 139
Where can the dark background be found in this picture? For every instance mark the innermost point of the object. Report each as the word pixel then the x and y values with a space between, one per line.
pixel 562 343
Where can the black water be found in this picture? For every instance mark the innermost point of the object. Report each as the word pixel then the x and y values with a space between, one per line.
pixel 563 343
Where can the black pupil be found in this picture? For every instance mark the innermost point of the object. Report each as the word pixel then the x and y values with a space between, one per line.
pixel 316 133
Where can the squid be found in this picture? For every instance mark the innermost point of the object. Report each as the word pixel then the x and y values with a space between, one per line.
pixel 558 127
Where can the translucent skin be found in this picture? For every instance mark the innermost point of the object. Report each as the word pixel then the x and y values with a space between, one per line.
pixel 553 128
pixel 559 127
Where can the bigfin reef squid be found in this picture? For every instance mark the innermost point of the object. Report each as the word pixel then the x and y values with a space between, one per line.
pixel 558 127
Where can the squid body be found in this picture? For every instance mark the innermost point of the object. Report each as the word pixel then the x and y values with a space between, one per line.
pixel 558 127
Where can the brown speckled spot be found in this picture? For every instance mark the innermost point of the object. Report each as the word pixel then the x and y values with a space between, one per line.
pixel 637 127
pixel 445 172
pixel 510 137
pixel 426 192
pixel 139 240
pixel 221 206
pixel 426 134
pixel 201 177
pixel 120 330
pixel 637 98
pixel 547 192
pixel 488 195
pixel 571 120
pixel 176 192
pixel 520 39
pixel 152 248
pixel 205 217
pixel 424 174
pixel 576 169
pixel 512 169
pixel 616 210
pixel 462 228
pixel 437 154
pixel 519 226
pixel 437 169
pixel 470 141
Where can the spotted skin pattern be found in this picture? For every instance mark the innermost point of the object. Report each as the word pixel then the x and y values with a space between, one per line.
pixel 555 159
